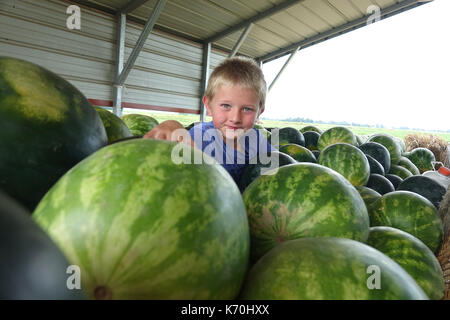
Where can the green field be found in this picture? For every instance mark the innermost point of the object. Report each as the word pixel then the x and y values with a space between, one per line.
pixel 187 119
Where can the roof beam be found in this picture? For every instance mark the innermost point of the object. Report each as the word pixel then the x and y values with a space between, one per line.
pixel 140 42
pixel 353 25
pixel 240 41
pixel 262 15
pixel 131 6
pixel 294 52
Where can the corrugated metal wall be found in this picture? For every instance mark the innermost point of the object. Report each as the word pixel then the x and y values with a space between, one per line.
pixel 166 76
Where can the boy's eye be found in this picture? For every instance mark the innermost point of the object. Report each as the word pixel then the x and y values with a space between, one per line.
pixel 248 109
pixel 226 106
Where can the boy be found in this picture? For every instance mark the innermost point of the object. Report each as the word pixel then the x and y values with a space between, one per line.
pixel 235 98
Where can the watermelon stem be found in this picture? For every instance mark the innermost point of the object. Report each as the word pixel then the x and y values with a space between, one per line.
pixel 102 293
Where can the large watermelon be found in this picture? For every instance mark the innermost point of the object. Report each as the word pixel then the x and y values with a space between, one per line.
pixel 348 160
pixel 115 128
pixel 46 127
pixel 311 139
pixel 336 135
pixel 303 200
pixel 328 269
pixel 410 212
pixel 139 124
pixel 390 143
pixel 311 128
pixel 422 158
pixel 32 266
pixel 412 255
pixel 140 226
pixel 368 195
pixel 425 186
pixel 400 171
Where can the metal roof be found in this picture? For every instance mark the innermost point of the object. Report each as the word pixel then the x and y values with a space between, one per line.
pixel 277 26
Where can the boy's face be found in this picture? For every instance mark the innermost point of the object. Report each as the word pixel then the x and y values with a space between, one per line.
pixel 234 110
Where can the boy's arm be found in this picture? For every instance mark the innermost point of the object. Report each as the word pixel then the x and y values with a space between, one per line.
pixel 170 130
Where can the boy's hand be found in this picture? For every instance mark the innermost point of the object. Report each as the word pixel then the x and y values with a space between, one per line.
pixel 170 130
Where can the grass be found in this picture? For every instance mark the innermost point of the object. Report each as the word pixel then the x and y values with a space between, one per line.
pixel 186 119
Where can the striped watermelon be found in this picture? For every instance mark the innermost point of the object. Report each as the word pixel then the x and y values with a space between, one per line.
pixel 115 128
pixel 311 139
pixel 400 171
pixel 410 212
pixel 328 269
pixel 140 226
pixel 299 153
pixel 368 195
pixel 46 127
pixel 288 135
pixel 422 158
pixel 412 255
pixel 139 124
pixel 303 200
pixel 407 164
pixel 390 143
pixel 348 160
pixel 336 135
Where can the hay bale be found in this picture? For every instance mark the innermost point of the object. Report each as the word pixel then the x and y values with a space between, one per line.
pixel 444 212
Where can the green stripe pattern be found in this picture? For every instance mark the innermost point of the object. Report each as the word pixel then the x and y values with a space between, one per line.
pixel 303 200
pixel 410 212
pixel 328 269
pixel 347 160
pixel 147 228
pixel 139 124
pixel 336 135
pixel 412 255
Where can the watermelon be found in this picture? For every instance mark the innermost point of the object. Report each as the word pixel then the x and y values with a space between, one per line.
pixel 348 161
pixel 407 164
pixel 380 184
pixel 410 212
pixel 390 143
pixel 412 255
pixel 426 187
pixel 378 152
pixel 139 124
pixel 375 166
pixel 46 127
pixel 257 164
pixel 328 269
pixel 394 179
pixel 368 195
pixel 311 128
pixel 422 158
pixel 299 153
pixel 316 154
pixel 311 139
pixel 303 200
pixel 115 128
pixel 400 171
pixel 140 226
pixel 288 135
pixel 336 135
pixel 32 266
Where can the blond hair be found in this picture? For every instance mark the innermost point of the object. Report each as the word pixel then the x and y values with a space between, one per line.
pixel 238 71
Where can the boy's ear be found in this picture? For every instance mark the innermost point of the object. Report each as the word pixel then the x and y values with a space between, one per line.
pixel 261 111
pixel 206 103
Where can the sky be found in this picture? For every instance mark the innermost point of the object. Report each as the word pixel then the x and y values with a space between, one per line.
pixel 395 72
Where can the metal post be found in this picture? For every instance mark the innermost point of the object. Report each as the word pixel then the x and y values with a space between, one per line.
pixel 120 50
pixel 284 66
pixel 205 76
pixel 241 40
pixel 140 43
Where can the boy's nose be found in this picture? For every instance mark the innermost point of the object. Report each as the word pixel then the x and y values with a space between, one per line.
pixel 235 115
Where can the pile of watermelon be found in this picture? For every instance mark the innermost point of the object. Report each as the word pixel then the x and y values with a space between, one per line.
pixel 102 215
pixel 367 190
